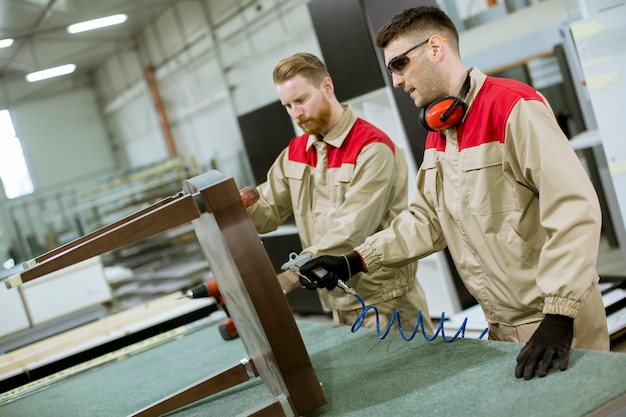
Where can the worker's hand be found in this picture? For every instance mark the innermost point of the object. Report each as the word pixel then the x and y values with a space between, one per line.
pixel 552 340
pixel 325 271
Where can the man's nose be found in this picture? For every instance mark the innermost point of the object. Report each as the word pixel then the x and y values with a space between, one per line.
pixel 397 80
pixel 296 112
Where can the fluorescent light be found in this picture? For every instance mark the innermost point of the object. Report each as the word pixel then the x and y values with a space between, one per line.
pixel 5 43
pixel 97 23
pixel 50 72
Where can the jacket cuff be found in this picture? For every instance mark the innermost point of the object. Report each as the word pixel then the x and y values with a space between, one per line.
pixel 371 260
pixel 561 306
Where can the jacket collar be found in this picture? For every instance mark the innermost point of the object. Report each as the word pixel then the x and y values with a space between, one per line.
pixel 477 80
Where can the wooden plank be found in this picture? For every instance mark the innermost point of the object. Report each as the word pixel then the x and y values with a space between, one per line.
pixel 131 230
pixel 271 409
pixel 257 305
pixel 100 231
pixel 116 355
pixel 255 299
pixel 208 386
pixel 124 323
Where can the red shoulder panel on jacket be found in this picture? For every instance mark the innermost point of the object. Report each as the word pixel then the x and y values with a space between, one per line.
pixel 361 135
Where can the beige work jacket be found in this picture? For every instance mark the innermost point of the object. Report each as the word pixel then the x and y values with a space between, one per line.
pixel 340 190
pixel 509 197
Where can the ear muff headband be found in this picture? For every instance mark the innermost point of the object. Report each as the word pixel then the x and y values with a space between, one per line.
pixel 445 112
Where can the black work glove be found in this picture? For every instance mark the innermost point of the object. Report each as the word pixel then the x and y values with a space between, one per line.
pixel 552 340
pixel 325 271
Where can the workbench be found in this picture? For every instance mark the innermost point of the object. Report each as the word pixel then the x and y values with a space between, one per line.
pixel 361 375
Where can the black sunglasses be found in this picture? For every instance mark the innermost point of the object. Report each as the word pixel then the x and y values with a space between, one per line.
pixel 397 64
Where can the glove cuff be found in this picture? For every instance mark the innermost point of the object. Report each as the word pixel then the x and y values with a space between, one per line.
pixel 355 262
pixel 558 320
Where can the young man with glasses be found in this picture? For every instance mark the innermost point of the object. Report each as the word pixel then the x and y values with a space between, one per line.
pixel 501 187
pixel 343 179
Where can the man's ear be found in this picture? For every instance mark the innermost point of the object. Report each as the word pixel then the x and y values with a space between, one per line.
pixel 438 45
pixel 328 87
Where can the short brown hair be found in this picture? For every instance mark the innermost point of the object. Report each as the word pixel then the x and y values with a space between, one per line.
pixel 424 20
pixel 307 65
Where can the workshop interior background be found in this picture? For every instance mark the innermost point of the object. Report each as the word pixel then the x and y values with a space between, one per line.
pixel 185 86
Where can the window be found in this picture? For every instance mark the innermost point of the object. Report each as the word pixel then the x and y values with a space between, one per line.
pixel 14 172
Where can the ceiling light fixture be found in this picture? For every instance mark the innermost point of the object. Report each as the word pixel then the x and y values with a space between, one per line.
pixel 97 23
pixel 50 72
pixel 5 43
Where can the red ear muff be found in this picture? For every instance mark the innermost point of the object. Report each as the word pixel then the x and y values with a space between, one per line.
pixel 446 112
pixel 443 114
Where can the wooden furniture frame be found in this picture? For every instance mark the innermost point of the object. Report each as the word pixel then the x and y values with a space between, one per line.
pixel 247 282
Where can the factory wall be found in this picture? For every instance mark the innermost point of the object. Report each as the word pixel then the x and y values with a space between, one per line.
pixel 66 145
pixel 83 147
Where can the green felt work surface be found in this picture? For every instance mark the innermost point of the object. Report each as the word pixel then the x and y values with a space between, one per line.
pixel 361 376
